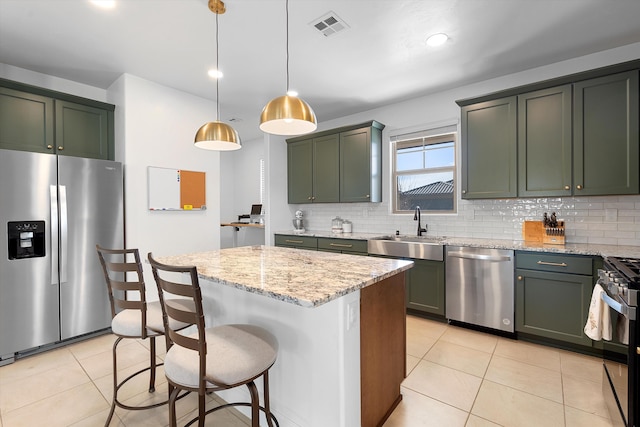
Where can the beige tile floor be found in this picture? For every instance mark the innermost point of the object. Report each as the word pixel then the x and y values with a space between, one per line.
pixel 456 377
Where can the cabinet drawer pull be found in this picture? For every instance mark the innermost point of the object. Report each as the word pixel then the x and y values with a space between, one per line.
pixel 555 264
pixel 340 245
pixel 294 241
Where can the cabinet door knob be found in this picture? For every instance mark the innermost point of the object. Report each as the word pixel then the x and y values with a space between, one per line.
pixel 566 187
pixel 49 146
pixel 519 277
pixel 464 191
pixel 309 198
pixel 579 187
pixel 61 148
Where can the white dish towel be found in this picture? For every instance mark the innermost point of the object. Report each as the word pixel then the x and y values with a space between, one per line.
pixel 598 324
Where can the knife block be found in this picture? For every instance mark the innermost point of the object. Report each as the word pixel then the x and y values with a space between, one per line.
pixel 535 231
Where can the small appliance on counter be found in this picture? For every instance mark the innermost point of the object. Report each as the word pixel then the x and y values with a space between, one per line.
pixel 347 226
pixel 549 230
pixel 298 223
pixel 336 225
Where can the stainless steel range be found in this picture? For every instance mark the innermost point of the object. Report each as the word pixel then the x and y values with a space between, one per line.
pixel 620 278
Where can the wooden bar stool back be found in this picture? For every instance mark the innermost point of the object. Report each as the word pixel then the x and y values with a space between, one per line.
pixel 214 358
pixel 131 317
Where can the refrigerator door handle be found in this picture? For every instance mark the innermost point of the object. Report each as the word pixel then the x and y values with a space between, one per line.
pixel 53 228
pixel 64 234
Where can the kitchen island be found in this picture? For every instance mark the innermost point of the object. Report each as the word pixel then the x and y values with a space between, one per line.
pixel 339 320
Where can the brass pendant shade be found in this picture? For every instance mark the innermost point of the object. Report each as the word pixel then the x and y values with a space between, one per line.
pixel 287 115
pixel 217 136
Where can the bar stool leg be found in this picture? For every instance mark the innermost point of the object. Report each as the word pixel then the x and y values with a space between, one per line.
pixel 255 404
pixel 115 382
pixel 152 379
pixel 267 407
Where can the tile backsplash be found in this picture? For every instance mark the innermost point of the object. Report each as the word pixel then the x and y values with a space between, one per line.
pixel 611 220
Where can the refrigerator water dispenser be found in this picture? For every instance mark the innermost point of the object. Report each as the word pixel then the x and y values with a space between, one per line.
pixel 26 239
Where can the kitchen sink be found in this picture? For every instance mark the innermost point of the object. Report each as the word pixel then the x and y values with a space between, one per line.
pixel 416 247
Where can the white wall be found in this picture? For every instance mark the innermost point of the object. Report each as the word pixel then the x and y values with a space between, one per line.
pixel 240 188
pixel 155 126
pixel 606 220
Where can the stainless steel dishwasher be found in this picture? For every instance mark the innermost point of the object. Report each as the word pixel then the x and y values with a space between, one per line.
pixel 480 287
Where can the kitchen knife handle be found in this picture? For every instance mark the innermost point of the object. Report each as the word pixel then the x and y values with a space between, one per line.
pixel 53 229
pixel 64 234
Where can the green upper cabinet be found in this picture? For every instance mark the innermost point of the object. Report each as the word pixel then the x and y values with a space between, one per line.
pixel 544 142
pixel 312 166
pixel 44 121
pixel 606 142
pixel 489 162
pixel 360 166
pixel 339 165
pixel 26 121
pixel 82 131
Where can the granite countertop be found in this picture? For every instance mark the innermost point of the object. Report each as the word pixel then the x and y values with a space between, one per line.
pixel 520 245
pixel 305 278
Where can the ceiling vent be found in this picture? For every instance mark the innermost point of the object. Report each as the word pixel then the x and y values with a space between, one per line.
pixel 329 24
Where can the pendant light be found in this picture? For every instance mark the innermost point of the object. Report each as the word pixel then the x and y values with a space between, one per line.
pixel 288 114
pixel 217 135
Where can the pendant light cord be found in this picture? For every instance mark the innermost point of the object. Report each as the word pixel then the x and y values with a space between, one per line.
pixel 287 15
pixel 218 77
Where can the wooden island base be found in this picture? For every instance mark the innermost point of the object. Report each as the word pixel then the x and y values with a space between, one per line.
pixel 383 348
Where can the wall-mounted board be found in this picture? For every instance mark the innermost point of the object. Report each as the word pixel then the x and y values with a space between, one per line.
pixel 175 189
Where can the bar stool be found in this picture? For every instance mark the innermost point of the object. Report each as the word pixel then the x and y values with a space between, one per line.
pixel 132 319
pixel 211 359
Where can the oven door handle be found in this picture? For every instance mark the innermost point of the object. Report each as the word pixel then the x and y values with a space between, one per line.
pixel 620 307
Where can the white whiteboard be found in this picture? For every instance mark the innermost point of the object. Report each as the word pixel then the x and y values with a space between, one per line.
pixel 163 188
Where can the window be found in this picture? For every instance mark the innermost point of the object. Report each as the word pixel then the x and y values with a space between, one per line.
pixel 424 171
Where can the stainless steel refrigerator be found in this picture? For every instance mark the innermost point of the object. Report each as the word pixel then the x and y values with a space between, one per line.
pixel 53 211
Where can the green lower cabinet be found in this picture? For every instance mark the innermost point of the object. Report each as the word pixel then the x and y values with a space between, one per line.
pixel 425 286
pixel 295 241
pixel 345 246
pixel 553 305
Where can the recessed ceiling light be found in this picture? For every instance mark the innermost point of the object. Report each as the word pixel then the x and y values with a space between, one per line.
pixel 104 4
pixel 437 39
pixel 215 74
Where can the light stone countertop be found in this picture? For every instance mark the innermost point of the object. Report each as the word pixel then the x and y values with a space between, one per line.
pixel 305 278
pixel 519 245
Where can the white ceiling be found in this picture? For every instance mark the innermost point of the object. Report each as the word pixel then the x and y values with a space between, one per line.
pixel 380 59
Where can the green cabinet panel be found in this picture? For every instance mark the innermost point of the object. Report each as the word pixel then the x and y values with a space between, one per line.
pixel 312 170
pixel 425 286
pixel 544 143
pixel 606 142
pixel 294 241
pixel 553 292
pixel 45 121
pixel 300 171
pixel 326 157
pixel 553 305
pixel 338 165
pixel 26 121
pixel 81 130
pixel 572 264
pixel 347 246
pixel 489 147
pixel 360 166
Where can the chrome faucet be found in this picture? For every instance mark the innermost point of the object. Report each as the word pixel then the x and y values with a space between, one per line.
pixel 416 217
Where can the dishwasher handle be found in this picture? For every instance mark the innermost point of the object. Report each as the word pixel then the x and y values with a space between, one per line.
pixel 479 256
